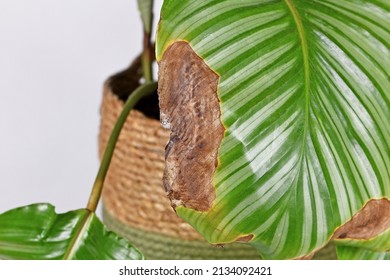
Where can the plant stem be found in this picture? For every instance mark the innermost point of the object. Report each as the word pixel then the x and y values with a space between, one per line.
pixel 147 60
pixel 139 93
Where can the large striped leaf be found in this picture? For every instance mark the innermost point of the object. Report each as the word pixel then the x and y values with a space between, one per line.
pixel 304 91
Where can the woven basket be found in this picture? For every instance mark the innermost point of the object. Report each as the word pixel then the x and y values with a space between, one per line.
pixel 135 204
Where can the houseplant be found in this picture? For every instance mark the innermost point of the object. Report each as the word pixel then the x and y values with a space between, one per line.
pixel 135 204
pixel 304 92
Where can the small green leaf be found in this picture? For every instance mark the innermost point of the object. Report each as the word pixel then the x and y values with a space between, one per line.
pixel 354 253
pixel 37 232
pixel 146 10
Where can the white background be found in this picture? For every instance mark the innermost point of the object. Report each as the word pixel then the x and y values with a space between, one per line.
pixel 54 57
pixel 280 270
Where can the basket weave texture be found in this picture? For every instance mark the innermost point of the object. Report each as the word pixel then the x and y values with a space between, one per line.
pixel 134 199
pixel 133 188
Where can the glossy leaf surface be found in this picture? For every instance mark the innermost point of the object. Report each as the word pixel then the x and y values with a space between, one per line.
pixel 304 91
pixel 37 232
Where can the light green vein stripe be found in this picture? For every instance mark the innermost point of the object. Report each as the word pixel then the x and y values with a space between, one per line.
pixel 357 35
pixel 357 123
pixel 373 19
pixel 255 68
pixel 367 108
pixel 182 16
pixel 334 163
pixel 233 30
pixel 257 162
pixel 229 53
pixel 308 214
pixel 280 236
pixel 341 152
pixel 239 133
pixel 253 90
pixel 364 81
pixel 315 179
pixel 269 194
pixel 208 13
pixel 241 130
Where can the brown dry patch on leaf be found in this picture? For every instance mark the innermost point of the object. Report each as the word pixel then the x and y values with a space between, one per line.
pixel 189 107
pixel 245 238
pixel 372 220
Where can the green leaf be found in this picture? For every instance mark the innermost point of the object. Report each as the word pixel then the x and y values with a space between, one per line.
pixel 146 10
pixel 354 253
pixel 37 232
pixel 304 91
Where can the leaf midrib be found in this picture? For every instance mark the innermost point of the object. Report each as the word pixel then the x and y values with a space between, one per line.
pixel 305 53
pixel 75 241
